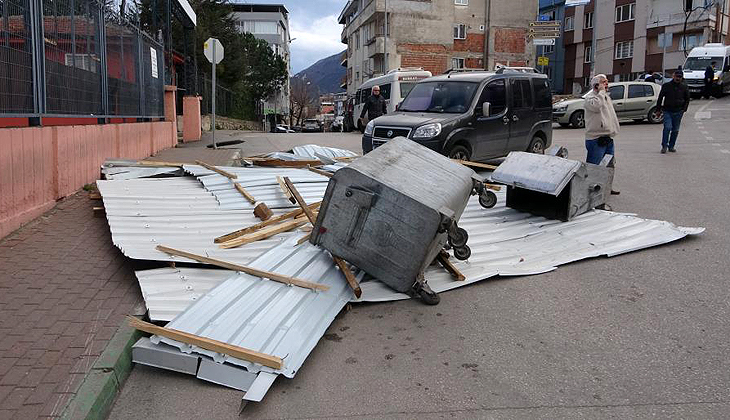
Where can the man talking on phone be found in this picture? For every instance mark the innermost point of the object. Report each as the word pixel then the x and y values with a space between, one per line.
pixel 601 121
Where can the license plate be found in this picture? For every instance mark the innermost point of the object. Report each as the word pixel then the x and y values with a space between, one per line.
pixel 694 89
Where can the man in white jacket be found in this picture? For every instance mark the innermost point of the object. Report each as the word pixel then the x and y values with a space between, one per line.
pixel 601 121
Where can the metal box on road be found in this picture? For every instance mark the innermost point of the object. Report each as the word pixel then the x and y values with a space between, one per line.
pixel 390 212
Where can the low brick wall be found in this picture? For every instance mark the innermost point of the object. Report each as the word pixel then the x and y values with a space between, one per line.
pixel 39 165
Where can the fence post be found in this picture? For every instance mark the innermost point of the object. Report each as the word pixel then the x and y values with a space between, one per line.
pixel 140 75
pixel 103 71
pixel 37 55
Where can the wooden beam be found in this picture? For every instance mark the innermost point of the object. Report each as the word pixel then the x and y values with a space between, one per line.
pixel 475 164
pixel 216 170
pixel 243 192
pixel 264 233
pixel 304 238
pixel 94 195
pixel 257 226
pixel 158 163
pixel 208 343
pixel 443 259
pixel 245 269
pixel 493 187
pixel 286 163
pixel 351 280
pixel 263 212
pixel 285 190
pixel 320 172
pixel 300 200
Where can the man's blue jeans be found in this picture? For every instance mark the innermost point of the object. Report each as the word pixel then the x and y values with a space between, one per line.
pixel 596 152
pixel 672 120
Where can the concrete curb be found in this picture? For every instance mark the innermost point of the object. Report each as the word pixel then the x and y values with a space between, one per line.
pixel 97 392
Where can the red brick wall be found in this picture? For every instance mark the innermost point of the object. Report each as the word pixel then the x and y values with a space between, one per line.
pixel 510 40
pixel 432 57
pixel 472 43
pixel 474 63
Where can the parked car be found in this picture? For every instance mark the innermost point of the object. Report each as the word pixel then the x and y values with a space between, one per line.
pixel 311 125
pixel 632 101
pixel 283 128
pixel 474 116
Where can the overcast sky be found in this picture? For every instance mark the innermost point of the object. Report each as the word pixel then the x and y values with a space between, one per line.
pixel 314 25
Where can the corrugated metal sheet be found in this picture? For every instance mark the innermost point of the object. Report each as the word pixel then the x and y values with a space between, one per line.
pixel 261 183
pixel 543 173
pixel 176 212
pixel 510 243
pixel 314 151
pixel 267 316
pixel 116 169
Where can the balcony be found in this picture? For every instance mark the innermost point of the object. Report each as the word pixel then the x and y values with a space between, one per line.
pixel 375 46
pixel 343 58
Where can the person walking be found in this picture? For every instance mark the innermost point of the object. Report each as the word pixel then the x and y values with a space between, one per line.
pixel 709 78
pixel 674 101
pixel 375 105
pixel 601 122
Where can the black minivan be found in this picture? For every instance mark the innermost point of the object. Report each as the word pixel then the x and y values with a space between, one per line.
pixel 475 116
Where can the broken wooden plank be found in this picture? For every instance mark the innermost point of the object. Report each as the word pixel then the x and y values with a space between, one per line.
pixel 160 163
pixel 351 280
pixel 443 259
pixel 475 164
pixel 320 171
pixel 286 163
pixel 264 233
pixel 300 200
pixel 285 190
pixel 243 192
pixel 253 228
pixel 494 187
pixel 242 353
pixel 216 170
pixel 94 195
pixel 244 269
pixel 304 238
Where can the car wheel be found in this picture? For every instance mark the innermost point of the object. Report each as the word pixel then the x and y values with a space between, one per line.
pixel 537 145
pixel 459 152
pixel 655 116
pixel 577 120
pixel 564 125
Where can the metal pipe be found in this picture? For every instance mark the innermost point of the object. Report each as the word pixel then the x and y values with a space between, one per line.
pixel 487 21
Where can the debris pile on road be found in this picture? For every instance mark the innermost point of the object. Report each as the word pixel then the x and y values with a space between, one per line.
pixel 390 213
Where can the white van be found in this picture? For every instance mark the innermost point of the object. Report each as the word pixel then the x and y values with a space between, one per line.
pixel 394 86
pixel 698 60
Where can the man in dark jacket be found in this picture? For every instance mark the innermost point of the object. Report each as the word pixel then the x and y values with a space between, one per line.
pixel 674 100
pixel 375 105
pixel 709 78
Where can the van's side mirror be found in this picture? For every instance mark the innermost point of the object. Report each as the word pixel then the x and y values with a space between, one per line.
pixel 726 68
pixel 397 107
pixel 485 109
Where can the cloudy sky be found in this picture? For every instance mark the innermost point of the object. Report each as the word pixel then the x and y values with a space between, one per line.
pixel 314 25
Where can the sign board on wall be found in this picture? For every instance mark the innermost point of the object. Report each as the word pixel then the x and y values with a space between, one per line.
pixel 153 60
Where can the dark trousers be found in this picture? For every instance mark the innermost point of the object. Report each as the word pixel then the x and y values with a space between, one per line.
pixel 707 91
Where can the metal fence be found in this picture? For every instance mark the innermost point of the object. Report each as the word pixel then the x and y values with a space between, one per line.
pixel 76 58
pixel 225 99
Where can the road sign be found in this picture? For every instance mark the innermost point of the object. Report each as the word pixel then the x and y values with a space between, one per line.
pixel 544 41
pixel 542 61
pixel 543 34
pixel 213 50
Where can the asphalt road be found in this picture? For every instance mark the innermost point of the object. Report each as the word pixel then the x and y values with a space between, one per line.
pixel 635 336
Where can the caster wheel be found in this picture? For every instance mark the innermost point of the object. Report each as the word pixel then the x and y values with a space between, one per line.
pixel 428 296
pixel 458 237
pixel 462 253
pixel 488 199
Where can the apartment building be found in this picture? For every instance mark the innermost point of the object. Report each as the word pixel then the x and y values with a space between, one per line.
pixel 636 36
pixel 436 35
pixel 269 22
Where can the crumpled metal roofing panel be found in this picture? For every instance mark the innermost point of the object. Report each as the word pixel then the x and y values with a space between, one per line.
pixel 543 173
pixel 314 151
pixel 266 316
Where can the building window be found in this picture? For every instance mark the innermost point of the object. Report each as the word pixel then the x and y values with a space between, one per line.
pixel 459 31
pixel 461 2
pixel 568 23
pixel 664 40
pixel 690 41
pixel 547 49
pixel 457 63
pixel 624 50
pixel 357 40
pixel 625 13
pixel 549 15
pixel 588 54
pixel 588 20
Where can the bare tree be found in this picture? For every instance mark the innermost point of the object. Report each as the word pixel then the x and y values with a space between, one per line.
pixel 301 99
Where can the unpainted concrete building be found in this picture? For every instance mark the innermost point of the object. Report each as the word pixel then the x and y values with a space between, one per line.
pixel 436 35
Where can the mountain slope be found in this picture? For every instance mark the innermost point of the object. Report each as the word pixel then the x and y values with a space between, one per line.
pixel 326 74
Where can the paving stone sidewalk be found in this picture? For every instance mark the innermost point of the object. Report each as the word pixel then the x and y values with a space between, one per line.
pixel 64 291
